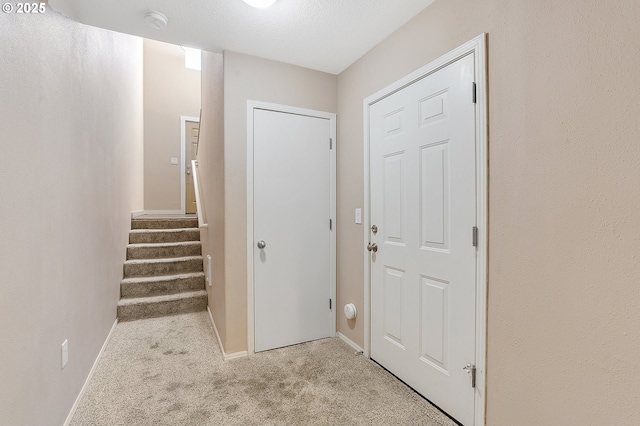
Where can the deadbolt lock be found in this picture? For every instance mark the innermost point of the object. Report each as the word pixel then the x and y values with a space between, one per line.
pixel 374 229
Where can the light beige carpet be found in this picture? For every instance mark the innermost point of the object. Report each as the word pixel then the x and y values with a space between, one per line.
pixel 169 371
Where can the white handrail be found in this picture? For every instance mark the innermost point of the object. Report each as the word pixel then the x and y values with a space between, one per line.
pixel 196 188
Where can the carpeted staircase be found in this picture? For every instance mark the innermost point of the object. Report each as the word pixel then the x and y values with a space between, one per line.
pixel 163 271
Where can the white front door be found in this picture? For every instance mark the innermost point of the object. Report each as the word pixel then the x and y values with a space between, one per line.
pixel 423 202
pixel 292 240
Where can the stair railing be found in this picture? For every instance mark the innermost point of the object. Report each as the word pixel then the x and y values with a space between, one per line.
pixel 196 187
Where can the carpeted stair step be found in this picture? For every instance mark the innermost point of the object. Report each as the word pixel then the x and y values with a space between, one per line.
pixel 161 285
pixel 163 271
pixel 158 306
pixel 146 236
pixel 164 223
pixel 171 266
pixel 163 250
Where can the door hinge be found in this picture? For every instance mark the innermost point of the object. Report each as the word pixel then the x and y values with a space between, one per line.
pixel 473 90
pixel 330 304
pixel 330 224
pixel 471 369
pixel 330 143
pixel 474 236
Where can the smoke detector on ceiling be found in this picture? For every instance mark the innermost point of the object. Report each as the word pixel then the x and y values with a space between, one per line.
pixel 260 4
pixel 155 19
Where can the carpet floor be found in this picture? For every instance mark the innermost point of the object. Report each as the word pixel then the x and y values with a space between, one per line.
pixel 170 371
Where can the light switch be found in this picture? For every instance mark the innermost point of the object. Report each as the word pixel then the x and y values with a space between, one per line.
pixel 174 161
pixel 358 215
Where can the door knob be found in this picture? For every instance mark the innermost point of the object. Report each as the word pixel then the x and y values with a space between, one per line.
pixel 261 244
pixel 372 247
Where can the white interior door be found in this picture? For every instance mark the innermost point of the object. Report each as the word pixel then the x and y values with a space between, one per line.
pixel 192 129
pixel 292 238
pixel 423 202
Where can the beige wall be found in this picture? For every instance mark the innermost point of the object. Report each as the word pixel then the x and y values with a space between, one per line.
pixel 563 334
pixel 211 179
pixel 251 78
pixel 170 90
pixel 70 175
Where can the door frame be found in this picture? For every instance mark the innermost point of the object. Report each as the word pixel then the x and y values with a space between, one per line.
pixel 477 48
pixel 251 107
pixel 183 156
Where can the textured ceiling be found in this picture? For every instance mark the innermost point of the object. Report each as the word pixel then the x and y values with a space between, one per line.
pixel 326 35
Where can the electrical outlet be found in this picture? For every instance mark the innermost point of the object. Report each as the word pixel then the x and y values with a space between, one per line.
pixel 65 353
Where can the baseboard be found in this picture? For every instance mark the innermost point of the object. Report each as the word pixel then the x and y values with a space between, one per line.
pixel 235 355
pixel 349 342
pixel 215 331
pixel 162 212
pixel 93 369
pixel 137 213
pixel 225 355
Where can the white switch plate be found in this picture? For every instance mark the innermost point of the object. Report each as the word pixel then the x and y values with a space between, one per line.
pixel 65 353
pixel 174 161
pixel 358 215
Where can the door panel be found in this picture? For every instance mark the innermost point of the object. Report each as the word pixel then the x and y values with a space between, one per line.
pixel 422 164
pixel 434 335
pixel 394 198
pixel 434 196
pixel 292 274
pixel 393 289
pixel 191 147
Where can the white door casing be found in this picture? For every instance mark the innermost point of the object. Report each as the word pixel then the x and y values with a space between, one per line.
pixel 291 202
pixel 425 177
